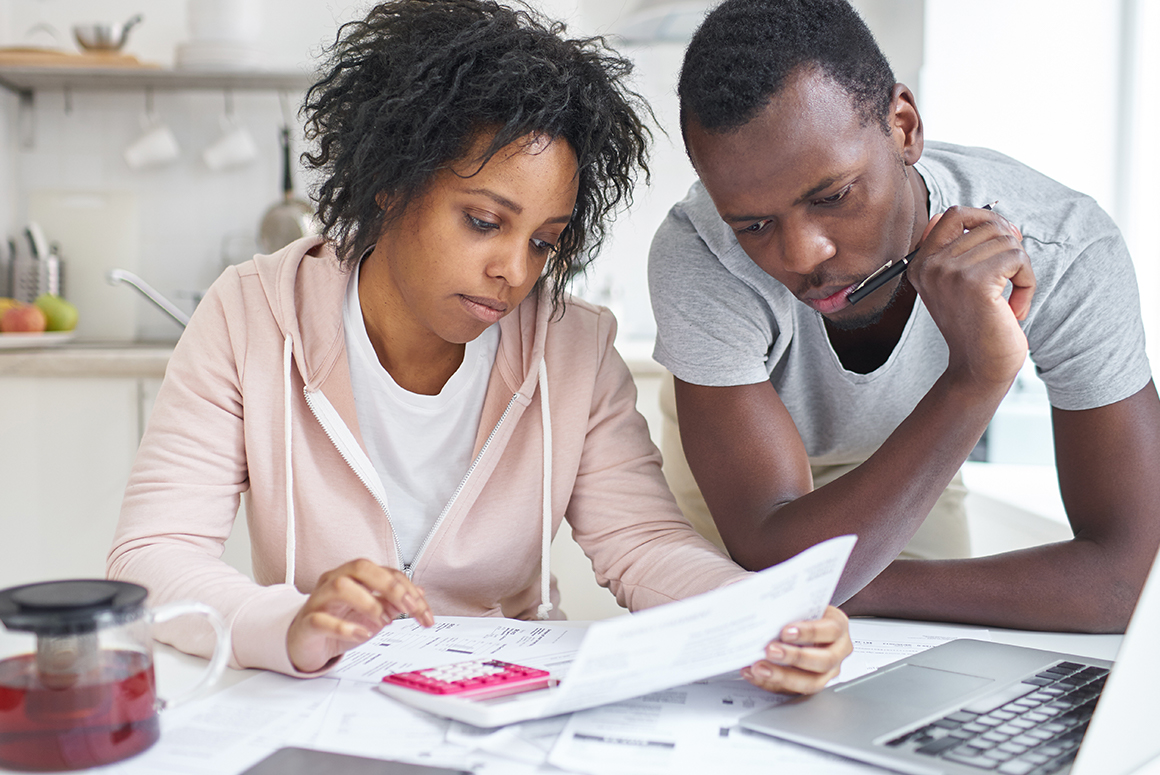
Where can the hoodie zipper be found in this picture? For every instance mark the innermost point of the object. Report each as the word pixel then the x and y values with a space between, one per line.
pixel 409 568
pixel 347 456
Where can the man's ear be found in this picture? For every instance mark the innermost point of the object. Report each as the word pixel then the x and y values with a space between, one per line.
pixel 905 124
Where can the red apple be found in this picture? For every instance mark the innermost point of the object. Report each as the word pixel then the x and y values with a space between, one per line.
pixel 25 318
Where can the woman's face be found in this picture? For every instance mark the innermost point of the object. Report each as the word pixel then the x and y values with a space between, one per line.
pixel 471 248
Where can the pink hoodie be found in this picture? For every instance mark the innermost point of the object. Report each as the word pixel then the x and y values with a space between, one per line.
pixel 257 401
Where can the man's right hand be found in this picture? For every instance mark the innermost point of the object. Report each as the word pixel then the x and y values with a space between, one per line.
pixel 967 257
pixel 347 607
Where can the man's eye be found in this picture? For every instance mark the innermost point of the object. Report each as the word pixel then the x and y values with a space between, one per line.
pixel 835 198
pixel 755 228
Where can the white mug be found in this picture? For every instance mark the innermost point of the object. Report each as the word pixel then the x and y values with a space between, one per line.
pixel 156 146
pixel 234 148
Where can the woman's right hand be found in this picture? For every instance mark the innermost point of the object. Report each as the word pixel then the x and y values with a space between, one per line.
pixel 347 607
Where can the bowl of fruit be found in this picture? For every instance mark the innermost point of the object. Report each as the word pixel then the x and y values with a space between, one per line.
pixel 49 320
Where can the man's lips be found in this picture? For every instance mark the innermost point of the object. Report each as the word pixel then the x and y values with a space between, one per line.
pixel 486 309
pixel 835 301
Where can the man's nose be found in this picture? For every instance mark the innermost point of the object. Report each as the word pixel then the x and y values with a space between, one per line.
pixel 804 247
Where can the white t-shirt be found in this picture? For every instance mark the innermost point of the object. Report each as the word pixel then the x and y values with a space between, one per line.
pixel 420 445
pixel 722 320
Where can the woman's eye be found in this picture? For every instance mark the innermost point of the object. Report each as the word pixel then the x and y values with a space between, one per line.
pixel 755 228
pixel 542 246
pixel 480 224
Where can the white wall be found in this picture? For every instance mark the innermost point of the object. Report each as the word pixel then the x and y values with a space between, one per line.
pixel 1072 88
pixel 185 210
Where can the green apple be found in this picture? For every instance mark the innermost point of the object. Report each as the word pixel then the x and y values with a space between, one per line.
pixel 60 314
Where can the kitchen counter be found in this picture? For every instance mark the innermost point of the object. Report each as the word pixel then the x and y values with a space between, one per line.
pixel 148 359
pixel 135 360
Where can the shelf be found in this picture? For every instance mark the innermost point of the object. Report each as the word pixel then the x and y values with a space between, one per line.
pixel 26 80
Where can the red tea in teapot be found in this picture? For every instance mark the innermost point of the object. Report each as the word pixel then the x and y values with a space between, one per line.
pixel 101 715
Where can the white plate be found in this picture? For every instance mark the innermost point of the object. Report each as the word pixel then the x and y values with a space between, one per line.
pixel 42 339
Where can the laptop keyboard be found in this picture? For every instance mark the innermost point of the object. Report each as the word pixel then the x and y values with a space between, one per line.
pixel 1031 728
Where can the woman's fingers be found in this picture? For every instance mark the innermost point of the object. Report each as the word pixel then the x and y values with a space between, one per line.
pixel 340 629
pixel 379 594
pixel 778 678
pixel 832 628
pixel 348 606
pixel 806 657
pixel 393 590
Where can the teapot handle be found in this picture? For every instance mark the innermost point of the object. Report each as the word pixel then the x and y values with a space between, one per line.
pixel 221 651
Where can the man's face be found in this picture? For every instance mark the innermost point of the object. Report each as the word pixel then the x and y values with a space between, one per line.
pixel 818 199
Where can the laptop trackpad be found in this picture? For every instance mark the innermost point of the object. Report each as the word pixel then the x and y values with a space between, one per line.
pixel 920 687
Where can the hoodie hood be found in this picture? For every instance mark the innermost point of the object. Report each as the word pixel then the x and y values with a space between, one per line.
pixel 315 317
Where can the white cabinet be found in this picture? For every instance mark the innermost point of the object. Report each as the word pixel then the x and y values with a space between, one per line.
pixel 68 444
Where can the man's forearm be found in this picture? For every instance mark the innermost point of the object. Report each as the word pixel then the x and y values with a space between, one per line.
pixel 1073 586
pixel 883 501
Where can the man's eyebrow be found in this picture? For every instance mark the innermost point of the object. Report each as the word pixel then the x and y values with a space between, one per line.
pixel 820 187
pixel 503 201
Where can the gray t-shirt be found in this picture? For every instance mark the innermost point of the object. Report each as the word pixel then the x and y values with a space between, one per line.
pixel 721 320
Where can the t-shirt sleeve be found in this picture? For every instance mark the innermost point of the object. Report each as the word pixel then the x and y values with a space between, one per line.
pixel 1085 331
pixel 712 328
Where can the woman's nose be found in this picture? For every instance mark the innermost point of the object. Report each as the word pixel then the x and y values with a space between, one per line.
pixel 510 263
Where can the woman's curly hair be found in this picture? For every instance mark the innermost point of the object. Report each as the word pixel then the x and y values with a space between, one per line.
pixel 408 89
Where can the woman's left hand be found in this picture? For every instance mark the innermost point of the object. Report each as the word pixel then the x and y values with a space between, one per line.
pixel 805 657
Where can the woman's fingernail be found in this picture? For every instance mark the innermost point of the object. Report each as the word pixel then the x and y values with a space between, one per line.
pixel 761 671
pixel 791 634
pixel 775 652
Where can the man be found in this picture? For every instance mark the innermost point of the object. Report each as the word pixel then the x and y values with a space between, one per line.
pixel 814 174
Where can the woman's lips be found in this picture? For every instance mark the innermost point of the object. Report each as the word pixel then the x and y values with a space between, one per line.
pixel 832 303
pixel 485 309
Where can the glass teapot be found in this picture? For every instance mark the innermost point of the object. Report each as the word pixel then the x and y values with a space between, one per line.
pixel 76 672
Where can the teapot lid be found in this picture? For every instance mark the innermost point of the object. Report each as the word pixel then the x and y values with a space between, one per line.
pixel 72 605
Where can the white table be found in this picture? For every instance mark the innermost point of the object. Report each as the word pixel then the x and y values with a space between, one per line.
pixel 177 671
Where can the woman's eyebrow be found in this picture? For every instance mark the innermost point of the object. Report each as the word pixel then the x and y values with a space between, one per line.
pixel 503 201
pixel 497 198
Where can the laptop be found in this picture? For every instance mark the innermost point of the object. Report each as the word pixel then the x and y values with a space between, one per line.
pixel 969 707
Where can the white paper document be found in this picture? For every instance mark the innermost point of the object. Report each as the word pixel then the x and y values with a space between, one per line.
pixel 687 729
pixel 406 645
pixel 670 645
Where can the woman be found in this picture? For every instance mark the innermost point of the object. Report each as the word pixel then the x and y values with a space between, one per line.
pixel 414 388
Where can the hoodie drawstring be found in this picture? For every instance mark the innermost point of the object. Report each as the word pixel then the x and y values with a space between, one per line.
pixel 546 534
pixel 291 538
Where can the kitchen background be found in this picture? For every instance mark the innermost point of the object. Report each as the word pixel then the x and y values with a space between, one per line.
pixel 1067 86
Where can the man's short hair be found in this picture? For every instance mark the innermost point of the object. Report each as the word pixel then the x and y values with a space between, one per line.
pixel 745 50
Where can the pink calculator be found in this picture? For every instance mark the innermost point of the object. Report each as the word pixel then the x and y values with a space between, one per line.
pixel 477 679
